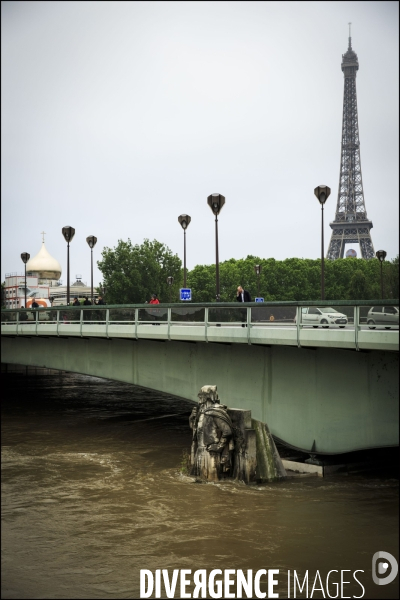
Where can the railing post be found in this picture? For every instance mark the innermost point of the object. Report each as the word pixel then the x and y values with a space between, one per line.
pixel 205 323
pixel 169 323
pixel 248 321
pixel 136 321
pixel 356 325
pixel 58 321
pixel 18 323
pixel 298 324
pixel 36 313
pixel 81 321
pixel 107 321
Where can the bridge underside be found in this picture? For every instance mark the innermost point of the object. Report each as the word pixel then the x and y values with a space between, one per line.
pixel 341 399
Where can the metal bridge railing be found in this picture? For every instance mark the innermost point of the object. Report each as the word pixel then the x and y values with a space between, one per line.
pixel 345 324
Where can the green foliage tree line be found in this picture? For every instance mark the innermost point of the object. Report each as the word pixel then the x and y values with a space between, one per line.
pixel 296 279
pixel 131 273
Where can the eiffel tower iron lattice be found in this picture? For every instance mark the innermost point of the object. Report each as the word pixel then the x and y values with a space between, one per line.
pixel 351 224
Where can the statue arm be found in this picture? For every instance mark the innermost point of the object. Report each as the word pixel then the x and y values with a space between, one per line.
pixel 192 418
pixel 224 428
pixel 226 434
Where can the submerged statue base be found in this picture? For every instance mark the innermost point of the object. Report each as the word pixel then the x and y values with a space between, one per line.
pixel 228 443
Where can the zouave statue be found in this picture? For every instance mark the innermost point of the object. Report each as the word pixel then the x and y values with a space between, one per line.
pixel 213 445
pixel 228 443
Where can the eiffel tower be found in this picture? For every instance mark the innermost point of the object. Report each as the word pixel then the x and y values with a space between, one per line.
pixel 351 224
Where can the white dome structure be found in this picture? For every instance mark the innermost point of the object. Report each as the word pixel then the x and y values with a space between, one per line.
pixel 43 265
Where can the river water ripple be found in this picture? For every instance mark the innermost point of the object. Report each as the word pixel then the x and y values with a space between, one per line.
pixel 92 493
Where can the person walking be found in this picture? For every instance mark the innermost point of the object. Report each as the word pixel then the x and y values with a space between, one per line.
pixel 87 302
pixel 100 301
pixel 154 299
pixel 243 295
pixel 76 302
pixel 34 304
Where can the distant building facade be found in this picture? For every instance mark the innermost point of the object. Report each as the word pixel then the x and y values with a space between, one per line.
pixel 43 284
pixel 14 290
pixel 78 289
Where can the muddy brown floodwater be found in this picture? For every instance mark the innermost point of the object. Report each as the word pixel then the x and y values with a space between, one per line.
pixel 92 493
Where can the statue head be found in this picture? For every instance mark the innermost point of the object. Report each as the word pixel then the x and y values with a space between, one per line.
pixel 208 393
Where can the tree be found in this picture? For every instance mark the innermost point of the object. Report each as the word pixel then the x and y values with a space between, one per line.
pixel 391 278
pixel 359 288
pixel 201 280
pixel 296 279
pixel 132 273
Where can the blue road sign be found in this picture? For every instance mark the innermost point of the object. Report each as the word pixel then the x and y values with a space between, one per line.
pixel 185 293
pixel 259 299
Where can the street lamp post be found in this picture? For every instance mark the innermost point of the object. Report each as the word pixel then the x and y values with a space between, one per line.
pixel 25 257
pixel 257 269
pixel 184 220
pixel 91 240
pixel 68 233
pixel 216 202
pixel 322 192
pixel 170 281
pixel 381 255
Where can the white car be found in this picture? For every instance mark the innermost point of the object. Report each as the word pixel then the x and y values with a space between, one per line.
pixel 312 315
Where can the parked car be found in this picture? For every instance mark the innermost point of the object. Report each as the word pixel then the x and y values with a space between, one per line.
pixel 383 315
pixel 312 315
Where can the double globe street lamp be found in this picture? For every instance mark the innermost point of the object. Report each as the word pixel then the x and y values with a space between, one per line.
pixel 322 192
pixel 91 240
pixel 184 221
pixel 25 257
pixel 216 202
pixel 381 255
pixel 68 233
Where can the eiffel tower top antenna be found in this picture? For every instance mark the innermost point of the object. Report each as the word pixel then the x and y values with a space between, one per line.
pixel 350 36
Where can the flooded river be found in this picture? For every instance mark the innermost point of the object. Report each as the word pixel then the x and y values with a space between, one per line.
pixel 92 493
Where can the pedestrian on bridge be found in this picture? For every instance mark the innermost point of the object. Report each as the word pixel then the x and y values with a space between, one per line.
pixel 23 316
pixel 87 302
pixel 243 296
pixel 154 300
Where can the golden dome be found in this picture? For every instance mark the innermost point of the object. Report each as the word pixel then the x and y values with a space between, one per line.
pixel 43 265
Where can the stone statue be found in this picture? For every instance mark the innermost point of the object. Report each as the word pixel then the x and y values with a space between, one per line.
pixel 212 446
pixel 227 442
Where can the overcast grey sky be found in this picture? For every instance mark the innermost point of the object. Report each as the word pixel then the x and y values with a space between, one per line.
pixel 119 116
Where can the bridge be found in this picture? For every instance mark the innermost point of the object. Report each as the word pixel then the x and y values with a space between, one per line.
pixel 330 383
